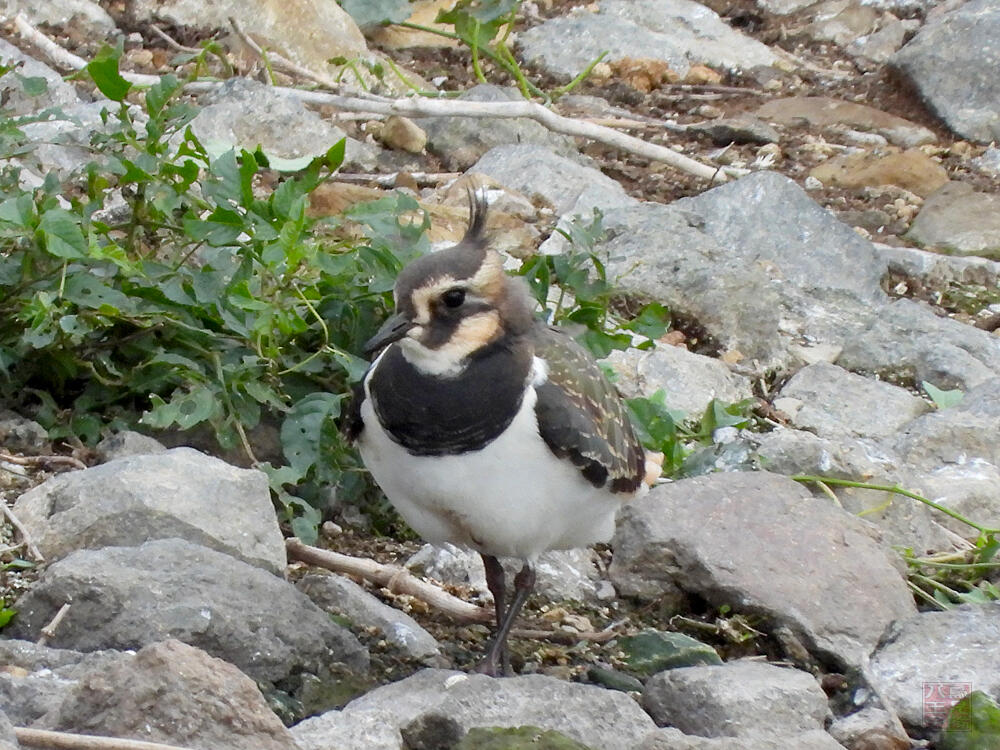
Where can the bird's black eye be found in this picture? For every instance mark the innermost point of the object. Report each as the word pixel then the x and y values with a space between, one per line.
pixel 453 298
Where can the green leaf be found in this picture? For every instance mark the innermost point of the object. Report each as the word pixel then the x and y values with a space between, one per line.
pixel 6 615
pixel 302 432
pixel 89 292
pixel 61 235
pixel 942 399
pixel 160 93
pixel 973 724
pixel 19 211
pixel 369 13
pixel 651 322
pixel 104 70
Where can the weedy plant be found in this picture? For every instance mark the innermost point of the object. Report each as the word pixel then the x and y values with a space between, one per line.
pixel 210 302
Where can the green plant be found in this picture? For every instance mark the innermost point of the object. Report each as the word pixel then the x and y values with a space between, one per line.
pixel 973 724
pixel 213 302
pixel 942 399
pixel 6 614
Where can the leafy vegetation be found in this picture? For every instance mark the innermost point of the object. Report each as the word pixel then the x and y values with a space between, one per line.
pixel 213 302
pixel 973 724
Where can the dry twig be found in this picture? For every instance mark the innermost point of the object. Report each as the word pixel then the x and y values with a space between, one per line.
pixel 393 577
pixel 49 631
pixel 66 741
pixel 419 107
pixel 25 536
pixel 46 462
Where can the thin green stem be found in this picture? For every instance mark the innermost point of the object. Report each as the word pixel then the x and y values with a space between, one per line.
pixel 581 76
pixel 925 596
pixel 896 489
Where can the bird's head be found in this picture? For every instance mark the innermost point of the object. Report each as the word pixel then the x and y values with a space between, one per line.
pixel 455 302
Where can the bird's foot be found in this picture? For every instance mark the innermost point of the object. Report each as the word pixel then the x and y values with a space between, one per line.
pixel 495 664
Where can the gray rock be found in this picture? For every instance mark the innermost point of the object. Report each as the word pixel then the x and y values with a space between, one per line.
pixel 841 21
pixel 756 263
pixel 870 725
pixel 179 493
pixel 341 596
pixel 172 693
pixel 536 171
pixel 601 718
pixel 8 740
pixel 128 443
pixel 952 63
pixel 971 488
pixel 903 522
pixel 958 220
pixel 129 597
pixel 678 32
pixel 879 46
pixel 737 130
pixel 736 699
pixel 244 113
pixel 62 144
pixel 22 435
pixel 460 141
pixel 931 648
pixel 989 162
pixel 936 269
pixel 906 342
pixel 835 403
pixel 669 738
pixel 308 32
pixel 824 575
pixel 689 381
pixel 562 575
pixel 58 93
pixel 958 434
pixel 36 679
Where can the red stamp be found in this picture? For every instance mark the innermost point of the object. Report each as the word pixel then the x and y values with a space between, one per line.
pixel 939 697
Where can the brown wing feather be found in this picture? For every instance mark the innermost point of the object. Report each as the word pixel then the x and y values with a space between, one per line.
pixel 582 418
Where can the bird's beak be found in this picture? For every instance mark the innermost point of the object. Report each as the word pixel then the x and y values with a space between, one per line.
pixel 392 330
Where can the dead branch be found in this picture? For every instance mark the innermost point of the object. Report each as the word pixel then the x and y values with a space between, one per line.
pixel 566 637
pixel 49 631
pixel 393 577
pixel 65 741
pixel 46 462
pixel 25 536
pixel 420 107
pixel 171 41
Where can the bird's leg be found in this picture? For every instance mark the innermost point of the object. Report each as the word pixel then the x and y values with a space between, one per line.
pixel 524 582
pixel 496 583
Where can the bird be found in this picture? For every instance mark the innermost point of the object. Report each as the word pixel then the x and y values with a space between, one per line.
pixel 487 428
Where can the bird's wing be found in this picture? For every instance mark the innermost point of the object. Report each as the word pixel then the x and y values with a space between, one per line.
pixel 582 418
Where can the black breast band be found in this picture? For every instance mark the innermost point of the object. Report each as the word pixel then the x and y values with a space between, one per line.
pixel 438 416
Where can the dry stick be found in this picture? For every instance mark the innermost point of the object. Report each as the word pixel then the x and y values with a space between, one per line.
pixel 65 741
pixel 171 41
pixel 49 631
pixel 398 580
pixel 25 536
pixel 44 461
pixel 417 107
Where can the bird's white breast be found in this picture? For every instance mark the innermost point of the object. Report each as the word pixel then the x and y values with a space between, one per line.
pixel 512 498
